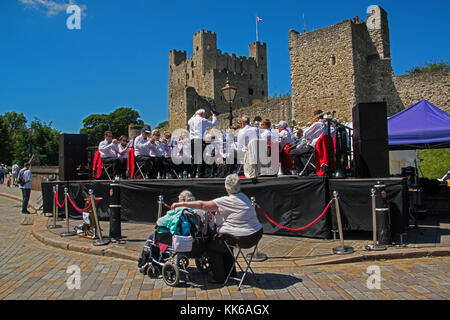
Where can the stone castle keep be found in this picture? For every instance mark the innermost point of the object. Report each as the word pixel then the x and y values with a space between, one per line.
pixel 332 68
pixel 195 82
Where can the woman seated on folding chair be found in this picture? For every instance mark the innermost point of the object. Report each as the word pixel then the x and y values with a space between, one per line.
pixel 236 223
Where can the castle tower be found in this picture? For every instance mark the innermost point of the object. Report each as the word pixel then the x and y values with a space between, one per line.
pixel 195 82
pixel 377 25
pixel 205 50
pixel 336 67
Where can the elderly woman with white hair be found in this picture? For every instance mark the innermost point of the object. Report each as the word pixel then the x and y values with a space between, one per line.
pixel 239 222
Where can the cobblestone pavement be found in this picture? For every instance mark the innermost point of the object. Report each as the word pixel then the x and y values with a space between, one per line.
pixel 32 270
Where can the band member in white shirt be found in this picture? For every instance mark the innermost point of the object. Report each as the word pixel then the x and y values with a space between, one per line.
pixel 123 148
pixel 197 128
pixel 108 149
pixel 245 135
pixel 142 149
pixel 301 154
pixel 157 150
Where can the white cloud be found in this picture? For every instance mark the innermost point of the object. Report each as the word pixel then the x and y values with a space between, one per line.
pixel 52 8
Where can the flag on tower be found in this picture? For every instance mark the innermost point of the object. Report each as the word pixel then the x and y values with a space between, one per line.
pixel 257 20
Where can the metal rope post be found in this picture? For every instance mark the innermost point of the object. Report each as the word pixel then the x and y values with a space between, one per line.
pixel 258 256
pixel 54 226
pixel 68 233
pixel 160 203
pixel 115 228
pixel 342 249
pixel 101 241
pixel 375 246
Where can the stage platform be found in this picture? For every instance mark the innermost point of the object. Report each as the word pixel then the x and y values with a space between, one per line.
pixel 289 200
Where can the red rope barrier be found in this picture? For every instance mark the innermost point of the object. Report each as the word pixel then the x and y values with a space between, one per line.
pixel 167 206
pixel 57 201
pixel 76 208
pixel 298 229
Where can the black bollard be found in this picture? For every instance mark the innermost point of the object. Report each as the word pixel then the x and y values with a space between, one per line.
pixel 383 215
pixel 115 229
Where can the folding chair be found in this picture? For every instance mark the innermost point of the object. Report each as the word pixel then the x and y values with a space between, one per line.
pixel 309 163
pixel 248 262
pixel 106 168
pixel 139 170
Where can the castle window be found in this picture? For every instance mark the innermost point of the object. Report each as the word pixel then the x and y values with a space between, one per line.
pixel 250 91
pixel 196 48
pixel 333 60
pixel 192 73
pixel 262 92
pixel 208 47
pixel 262 77
pixel 192 64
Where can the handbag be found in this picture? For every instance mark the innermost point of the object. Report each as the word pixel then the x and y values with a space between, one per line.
pixel 182 243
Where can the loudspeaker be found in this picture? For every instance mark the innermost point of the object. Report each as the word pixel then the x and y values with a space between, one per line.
pixel 370 140
pixel 72 153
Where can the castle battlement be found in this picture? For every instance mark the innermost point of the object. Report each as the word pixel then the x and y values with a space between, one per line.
pixel 206 72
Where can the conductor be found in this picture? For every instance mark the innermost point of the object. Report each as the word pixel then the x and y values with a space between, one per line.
pixel 197 128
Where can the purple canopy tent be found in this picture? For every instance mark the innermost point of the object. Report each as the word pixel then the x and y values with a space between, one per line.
pixel 421 126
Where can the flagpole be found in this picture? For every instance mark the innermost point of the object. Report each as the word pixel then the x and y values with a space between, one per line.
pixel 256 28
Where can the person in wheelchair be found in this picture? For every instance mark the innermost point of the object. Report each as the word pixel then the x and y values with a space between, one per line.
pixel 236 222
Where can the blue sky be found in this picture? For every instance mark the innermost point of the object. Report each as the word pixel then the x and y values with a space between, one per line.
pixel 120 55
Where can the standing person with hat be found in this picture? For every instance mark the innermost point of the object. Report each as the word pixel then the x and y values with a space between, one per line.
pixel 142 149
pixel 197 128
pixel 25 178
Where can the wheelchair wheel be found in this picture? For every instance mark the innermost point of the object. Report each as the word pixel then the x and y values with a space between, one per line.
pixel 202 264
pixel 171 274
pixel 153 271
pixel 143 258
pixel 183 260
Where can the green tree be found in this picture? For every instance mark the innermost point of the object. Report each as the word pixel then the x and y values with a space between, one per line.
pixel 15 121
pixel 117 122
pixel 430 67
pixel 46 142
pixel 6 145
pixel 163 124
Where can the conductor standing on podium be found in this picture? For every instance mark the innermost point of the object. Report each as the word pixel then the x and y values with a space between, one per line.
pixel 197 128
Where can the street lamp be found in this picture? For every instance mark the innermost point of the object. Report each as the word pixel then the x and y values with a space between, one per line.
pixel 229 92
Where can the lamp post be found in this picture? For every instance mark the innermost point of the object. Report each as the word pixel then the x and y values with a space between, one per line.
pixel 229 92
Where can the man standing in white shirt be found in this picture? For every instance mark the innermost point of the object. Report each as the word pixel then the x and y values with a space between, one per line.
pixel 197 128
pixel 142 149
pixel 25 178
pixel 109 152
pixel 245 135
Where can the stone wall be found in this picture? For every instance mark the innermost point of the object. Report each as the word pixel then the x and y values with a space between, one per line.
pixel 322 74
pixel 42 173
pixel 275 110
pixel 432 86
